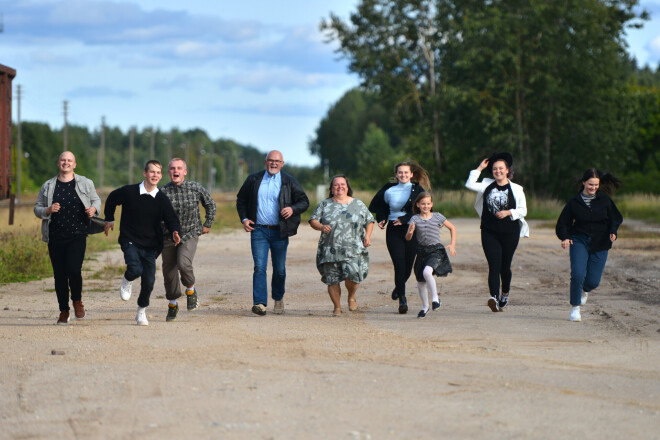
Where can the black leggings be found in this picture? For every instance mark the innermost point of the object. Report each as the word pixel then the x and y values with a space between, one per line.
pixel 499 249
pixel 402 253
pixel 67 258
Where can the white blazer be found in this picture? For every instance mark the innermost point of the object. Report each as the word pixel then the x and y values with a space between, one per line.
pixel 518 213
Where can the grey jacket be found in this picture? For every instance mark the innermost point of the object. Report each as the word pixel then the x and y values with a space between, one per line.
pixel 85 190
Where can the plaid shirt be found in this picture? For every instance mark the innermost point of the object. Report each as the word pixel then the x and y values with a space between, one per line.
pixel 185 199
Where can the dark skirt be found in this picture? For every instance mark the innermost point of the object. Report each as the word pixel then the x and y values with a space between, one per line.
pixel 434 256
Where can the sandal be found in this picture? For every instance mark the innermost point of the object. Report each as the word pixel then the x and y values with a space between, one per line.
pixel 336 312
pixel 352 304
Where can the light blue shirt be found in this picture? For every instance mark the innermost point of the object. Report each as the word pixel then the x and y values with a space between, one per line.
pixel 268 208
pixel 397 197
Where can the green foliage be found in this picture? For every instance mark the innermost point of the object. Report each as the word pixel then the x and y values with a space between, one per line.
pixel 227 161
pixel 23 257
pixel 547 81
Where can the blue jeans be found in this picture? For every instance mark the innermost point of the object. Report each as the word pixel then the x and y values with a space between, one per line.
pixel 141 263
pixel 586 267
pixel 262 239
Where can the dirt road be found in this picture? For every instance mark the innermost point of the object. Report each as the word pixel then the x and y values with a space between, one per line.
pixel 461 372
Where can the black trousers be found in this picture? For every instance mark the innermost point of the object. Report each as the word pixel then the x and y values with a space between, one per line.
pixel 499 249
pixel 402 253
pixel 67 256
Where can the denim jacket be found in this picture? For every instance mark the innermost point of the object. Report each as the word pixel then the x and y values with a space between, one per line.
pixel 85 190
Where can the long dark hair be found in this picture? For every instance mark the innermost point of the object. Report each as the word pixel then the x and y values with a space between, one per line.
pixel 608 181
pixel 349 193
pixel 419 174
pixel 419 198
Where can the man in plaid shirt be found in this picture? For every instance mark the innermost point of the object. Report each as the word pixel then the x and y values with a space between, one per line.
pixel 185 196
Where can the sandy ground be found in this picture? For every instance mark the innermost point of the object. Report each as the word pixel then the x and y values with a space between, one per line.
pixel 461 372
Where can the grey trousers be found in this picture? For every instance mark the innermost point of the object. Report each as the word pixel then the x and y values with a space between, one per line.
pixel 178 260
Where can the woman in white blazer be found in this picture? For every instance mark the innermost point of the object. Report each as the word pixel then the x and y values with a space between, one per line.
pixel 502 207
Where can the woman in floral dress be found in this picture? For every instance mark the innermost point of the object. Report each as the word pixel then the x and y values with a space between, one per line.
pixel 346 225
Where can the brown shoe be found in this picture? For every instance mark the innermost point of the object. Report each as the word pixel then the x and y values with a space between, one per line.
pixel 79 309
pixel 63 319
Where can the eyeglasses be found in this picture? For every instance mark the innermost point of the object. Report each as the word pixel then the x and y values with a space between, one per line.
pixel 274 161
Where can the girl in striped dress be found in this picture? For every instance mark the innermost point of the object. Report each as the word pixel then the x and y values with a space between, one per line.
pixel 431 256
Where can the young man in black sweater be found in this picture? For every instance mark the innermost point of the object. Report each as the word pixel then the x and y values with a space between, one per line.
pixel 140 232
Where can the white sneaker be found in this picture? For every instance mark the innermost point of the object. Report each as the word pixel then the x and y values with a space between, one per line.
pixel 141 316
pixel 583 300
pixel 125 289
pixel 575 314
pixel 279 307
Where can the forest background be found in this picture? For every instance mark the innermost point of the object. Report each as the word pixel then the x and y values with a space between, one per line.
pixel 445 83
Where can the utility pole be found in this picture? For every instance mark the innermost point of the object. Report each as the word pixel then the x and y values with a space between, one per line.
pixel 65 131
pixel 152 144
pixel 211 175
pixel 200 164
pixel 130 155
pixel 19 144
pixel 100 161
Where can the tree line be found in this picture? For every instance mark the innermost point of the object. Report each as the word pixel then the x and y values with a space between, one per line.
pixel 221 164
pixel 448 82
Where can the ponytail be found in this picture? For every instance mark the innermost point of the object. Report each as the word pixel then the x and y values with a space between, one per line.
pixel 608 181
pixel 419 174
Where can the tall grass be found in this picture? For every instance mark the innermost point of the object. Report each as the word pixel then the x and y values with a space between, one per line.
pixel 639 206
pixel 23 256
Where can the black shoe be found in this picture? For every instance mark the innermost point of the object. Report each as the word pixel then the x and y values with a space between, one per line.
pixel 421 314
pixel 395 294
pixel 192 302
pixel 435 305
pixel 492 303
pixel 172 310
pixel 403 305
pixel 503 301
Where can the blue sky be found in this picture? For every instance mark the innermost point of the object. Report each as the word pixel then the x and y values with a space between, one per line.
pixel 255 71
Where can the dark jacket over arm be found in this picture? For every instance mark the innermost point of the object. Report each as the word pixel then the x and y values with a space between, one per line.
pixel 291 195
pixel 596 222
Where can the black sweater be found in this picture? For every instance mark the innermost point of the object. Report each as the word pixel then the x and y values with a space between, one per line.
pixel 596 222
pixel 382 209
pixel 141 216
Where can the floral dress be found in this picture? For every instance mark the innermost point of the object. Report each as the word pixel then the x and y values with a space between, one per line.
pixel 344 243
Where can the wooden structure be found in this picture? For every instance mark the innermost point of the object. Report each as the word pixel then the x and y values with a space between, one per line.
pixel 7 74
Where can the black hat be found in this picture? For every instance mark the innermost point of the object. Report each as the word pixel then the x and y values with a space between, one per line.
pixel 506 157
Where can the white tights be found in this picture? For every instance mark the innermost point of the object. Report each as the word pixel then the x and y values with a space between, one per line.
pixel 429 282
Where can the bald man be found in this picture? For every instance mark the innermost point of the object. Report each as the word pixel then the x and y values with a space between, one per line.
pixel 65 204
pixel 269 205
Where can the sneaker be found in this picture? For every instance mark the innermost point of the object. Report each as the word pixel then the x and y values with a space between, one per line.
pixel 63 319
pixel 172 310
pixel 141 317
pixel 435 305
pixel 503 301
pixel 421 314
pixel 191 297
pixel 79 309
pixel 279 307
pixel 259 309
pixel 583 300
pixel 575 315
pixel 125 289
pixel 492 303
